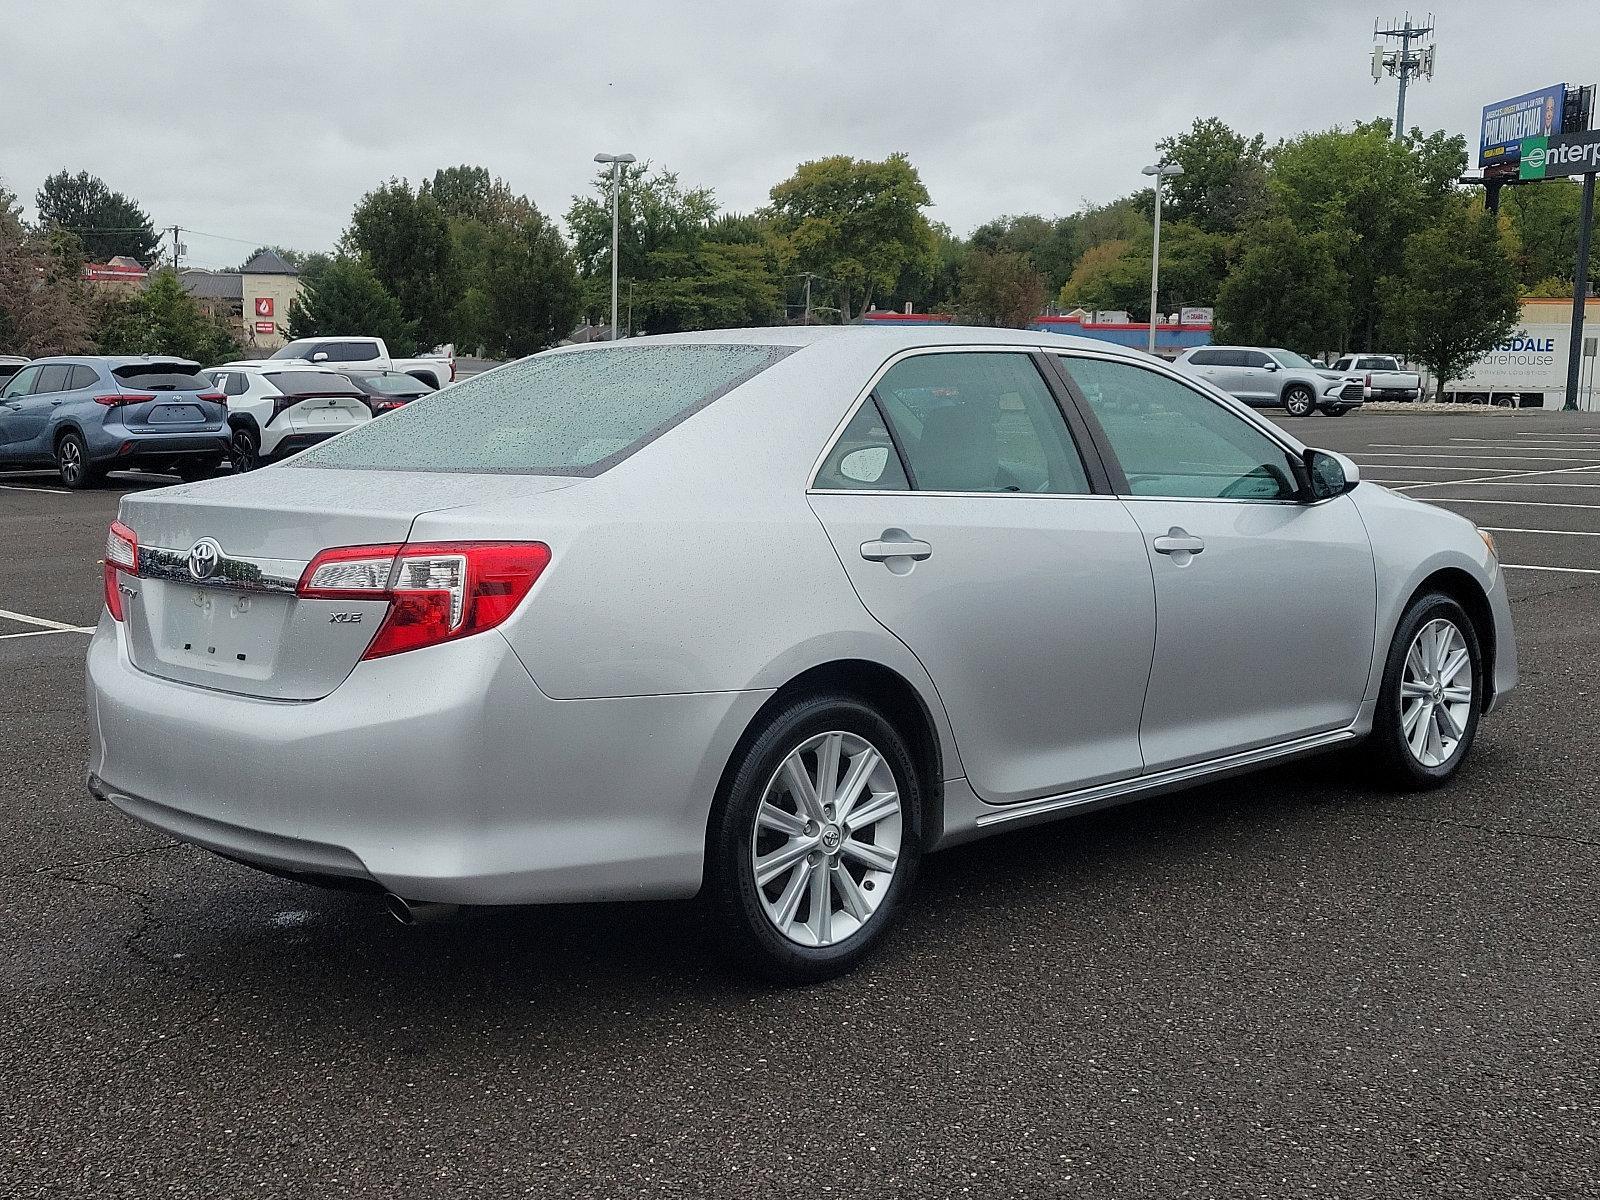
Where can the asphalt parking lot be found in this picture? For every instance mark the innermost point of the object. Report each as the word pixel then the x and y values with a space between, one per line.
pixel 1287 985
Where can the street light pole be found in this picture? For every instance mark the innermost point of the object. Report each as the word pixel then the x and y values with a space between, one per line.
pixel 1159 171
pixel 616 161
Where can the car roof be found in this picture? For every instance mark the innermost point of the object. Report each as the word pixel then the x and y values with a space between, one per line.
pixel 113 361
pixel 275 365
pixel 888 337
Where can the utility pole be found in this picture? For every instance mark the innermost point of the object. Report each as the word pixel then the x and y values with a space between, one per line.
pixel 1580 292
pixel 176 249
pixel 807 318
pixel 616 162
pixel 1404 63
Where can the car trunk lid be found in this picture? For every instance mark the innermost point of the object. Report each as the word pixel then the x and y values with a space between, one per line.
pixel 214 603
pixel 160 394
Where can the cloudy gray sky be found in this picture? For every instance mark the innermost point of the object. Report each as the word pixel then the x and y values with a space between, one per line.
pixel 266 121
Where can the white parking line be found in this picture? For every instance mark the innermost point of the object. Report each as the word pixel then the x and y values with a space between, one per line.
pixel 1492 479
pixel 1553 532
pixel 1475 457
pixel 1567 570
pixel 1507 503
pixel 1431 467
pixel 1589 450
pixel 45 622
pixel 6 637
pixel 17 487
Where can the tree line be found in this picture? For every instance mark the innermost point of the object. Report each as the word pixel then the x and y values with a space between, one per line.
pixel 1342 239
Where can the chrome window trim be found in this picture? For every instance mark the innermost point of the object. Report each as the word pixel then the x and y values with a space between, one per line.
pixel 235 572
pixel 1025 350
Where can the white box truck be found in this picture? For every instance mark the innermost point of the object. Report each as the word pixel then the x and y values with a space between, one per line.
pixel 1529 369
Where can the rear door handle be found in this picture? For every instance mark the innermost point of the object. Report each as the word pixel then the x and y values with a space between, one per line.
pixel 896 548
pixel 1177 541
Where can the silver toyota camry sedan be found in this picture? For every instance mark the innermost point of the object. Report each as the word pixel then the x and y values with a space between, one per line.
pixel 766 615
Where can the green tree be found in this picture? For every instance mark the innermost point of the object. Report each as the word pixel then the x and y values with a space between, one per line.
pixel 1367 193
pixel 1050 244
pixel 405 238
pixel 164 319
pixel 857 224
pixel 1110 275
pixel 1545 219
pixel 104 222
pixel 464 191
pixel 1224 180
pixel 1285 290
pixel 1000 288
pixel 43 306
pixel 1455 295
pixel 520 291
pixel 346 297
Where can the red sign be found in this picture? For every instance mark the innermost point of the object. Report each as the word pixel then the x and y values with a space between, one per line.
pixel 263 306
pixel 265 326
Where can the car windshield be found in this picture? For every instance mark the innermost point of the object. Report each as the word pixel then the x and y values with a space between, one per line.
pixel 571 413
pixel 391 385
pixel 1288 358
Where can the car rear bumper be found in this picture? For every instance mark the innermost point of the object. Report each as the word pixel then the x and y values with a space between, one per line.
pixel 293 443
pixel 134 448
pixel 443 774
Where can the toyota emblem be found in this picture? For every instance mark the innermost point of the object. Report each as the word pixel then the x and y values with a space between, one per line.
pixel 204 556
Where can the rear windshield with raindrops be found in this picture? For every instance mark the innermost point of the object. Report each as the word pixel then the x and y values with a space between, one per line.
pixel 574 413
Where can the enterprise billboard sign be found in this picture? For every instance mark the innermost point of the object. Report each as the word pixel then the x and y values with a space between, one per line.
pixel 1555 157
pixel 1508 122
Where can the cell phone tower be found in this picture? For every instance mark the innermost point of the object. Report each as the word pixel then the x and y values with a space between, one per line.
pixel 1412 59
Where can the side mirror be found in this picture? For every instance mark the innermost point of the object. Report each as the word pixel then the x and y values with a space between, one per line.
pixel 320 356
pixel 1330 474
pixel 1271 366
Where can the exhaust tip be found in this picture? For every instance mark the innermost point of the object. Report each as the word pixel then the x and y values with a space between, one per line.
pixel 415 912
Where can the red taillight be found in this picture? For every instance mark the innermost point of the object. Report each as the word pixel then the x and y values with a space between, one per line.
pixel 114 399
pixel 437 592
pixel 1369 381
pixel 122 554
pixel 214 397
pixel 452 370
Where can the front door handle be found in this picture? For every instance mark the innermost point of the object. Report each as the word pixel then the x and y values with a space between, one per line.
pixel 897 547
pixel 1178 541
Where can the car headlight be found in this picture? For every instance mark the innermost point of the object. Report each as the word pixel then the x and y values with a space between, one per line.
pixel 1488 540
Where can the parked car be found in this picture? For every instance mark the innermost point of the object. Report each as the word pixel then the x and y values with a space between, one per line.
pixel 1382 377
pixel 10 364
pixel 391 390
pixel 276 409
pixel 1272 378
pixel 87 415
pixel 369 356
pixel 767 613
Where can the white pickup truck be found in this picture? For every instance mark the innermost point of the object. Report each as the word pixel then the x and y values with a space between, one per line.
pixel 369 356
pixel 1381 376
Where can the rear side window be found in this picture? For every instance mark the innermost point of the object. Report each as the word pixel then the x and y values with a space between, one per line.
pixel 53 378
pixel 312 383
pixel 980 422
pixel 571 413
pixel 864 457
pixel 161 377
pixel 82 377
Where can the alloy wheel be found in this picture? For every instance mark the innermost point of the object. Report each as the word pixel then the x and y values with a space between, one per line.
pixel 242 450
pixel 1436 692
pixel 826 842
pixel 71 461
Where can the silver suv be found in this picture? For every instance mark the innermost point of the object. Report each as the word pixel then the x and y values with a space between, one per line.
pixel 1273 378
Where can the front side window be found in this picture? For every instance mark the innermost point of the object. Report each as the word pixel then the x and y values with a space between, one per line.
pixel 980 422
pixel 21 383
pixel 575 412
pixel 1254 358
pixel 1207 358
pixel 1172 441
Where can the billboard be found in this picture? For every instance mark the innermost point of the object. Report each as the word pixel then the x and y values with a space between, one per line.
pixel 1556 157
pixel 1507 122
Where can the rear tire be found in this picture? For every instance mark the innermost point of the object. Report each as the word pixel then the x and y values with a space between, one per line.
pixel 1431 697
pixel 72 462
pixel 1299 400
pixel 244 449
pixel 805 871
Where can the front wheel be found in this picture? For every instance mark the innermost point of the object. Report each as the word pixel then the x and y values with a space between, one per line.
pixel 816 840
pixel 1432 695
pixel 1299 400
